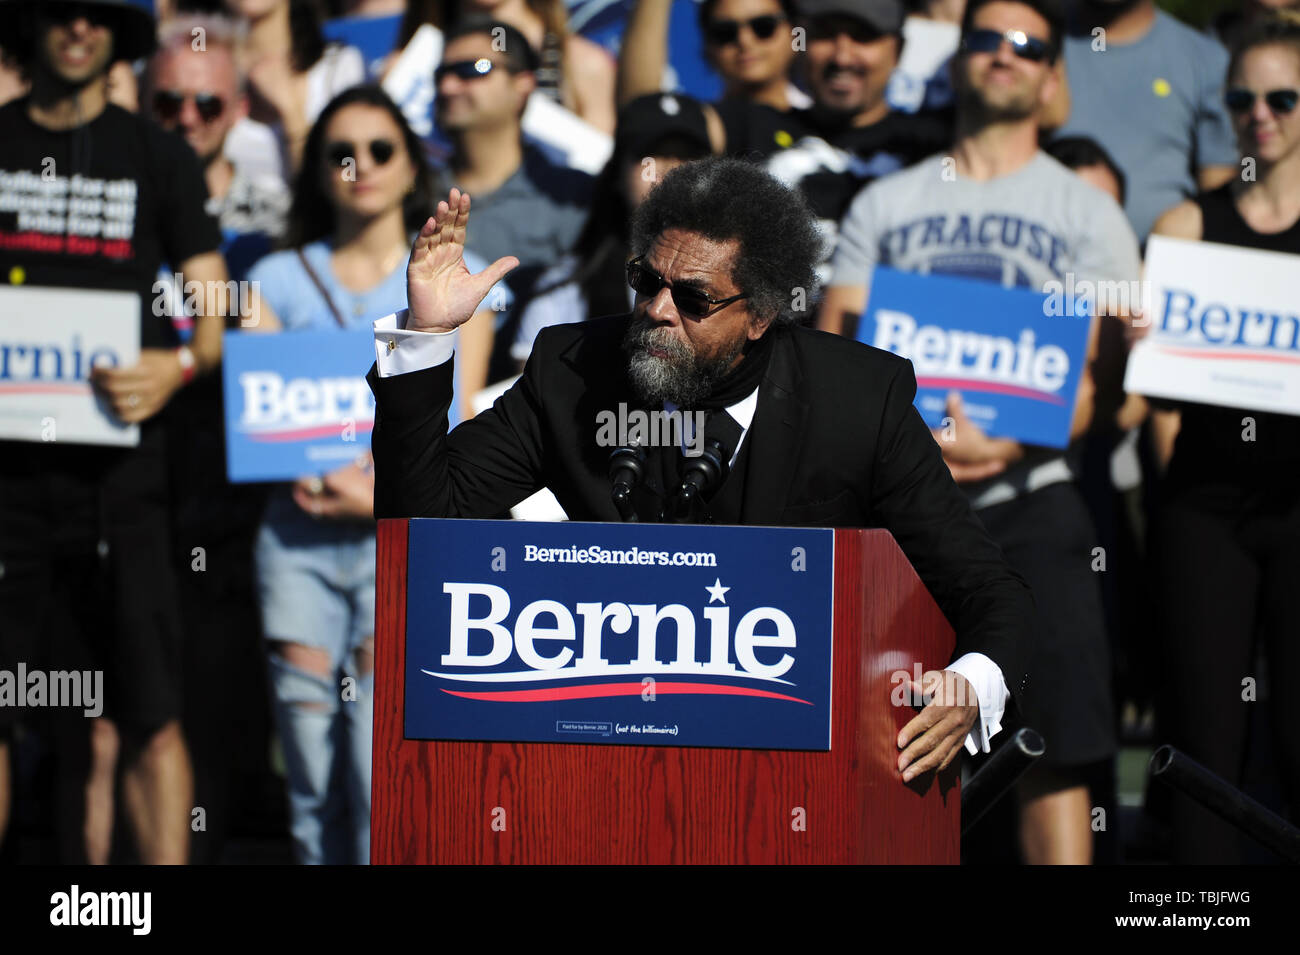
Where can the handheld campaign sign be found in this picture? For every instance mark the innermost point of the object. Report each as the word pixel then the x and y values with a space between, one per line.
pixel 1016 364
pixel 296 403
pixel 1225 326
pixel 50 338
pixel 638 634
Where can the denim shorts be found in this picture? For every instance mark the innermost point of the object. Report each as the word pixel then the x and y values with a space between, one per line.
pixel 315 578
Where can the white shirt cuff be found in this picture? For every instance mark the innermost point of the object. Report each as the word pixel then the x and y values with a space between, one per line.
pixel 398 351
pixel 991 692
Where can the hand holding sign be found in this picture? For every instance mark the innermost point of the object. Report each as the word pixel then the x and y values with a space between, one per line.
pixel 441 293
pixel 342 494
pixel 141 391
pixel 971 455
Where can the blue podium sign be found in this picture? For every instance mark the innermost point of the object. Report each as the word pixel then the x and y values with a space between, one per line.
pixel 637 634
pixel 1016 366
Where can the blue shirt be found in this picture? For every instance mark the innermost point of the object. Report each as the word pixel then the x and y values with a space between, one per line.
pixel 285 286
pixel 1156 105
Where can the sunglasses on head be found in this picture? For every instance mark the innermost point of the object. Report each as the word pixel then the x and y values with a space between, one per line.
pixel 464 69
pixel 1022 44
pixel 339 153
pixel 689 301
pixel 167 105
pixel 1242 100
pixel 722 32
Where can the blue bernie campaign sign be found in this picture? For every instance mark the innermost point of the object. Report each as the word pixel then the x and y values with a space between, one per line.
pixel 296 403
pixel 640 634
pixel 605 22
pixel 1015 363
pixel 374 36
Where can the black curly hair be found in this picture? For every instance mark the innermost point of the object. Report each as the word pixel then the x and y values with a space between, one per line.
pixel 723 198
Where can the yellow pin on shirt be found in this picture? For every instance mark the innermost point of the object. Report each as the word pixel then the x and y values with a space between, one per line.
pixel 1160 86
pixel 17 275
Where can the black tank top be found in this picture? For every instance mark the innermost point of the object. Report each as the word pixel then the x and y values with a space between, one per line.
pixel 1210 454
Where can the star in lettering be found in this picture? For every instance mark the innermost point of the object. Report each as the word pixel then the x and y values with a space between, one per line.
pixel 717 591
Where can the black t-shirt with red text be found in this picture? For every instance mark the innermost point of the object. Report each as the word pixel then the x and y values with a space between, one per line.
pixel 101 206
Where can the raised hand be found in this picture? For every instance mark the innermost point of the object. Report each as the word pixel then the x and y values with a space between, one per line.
pixel 441 294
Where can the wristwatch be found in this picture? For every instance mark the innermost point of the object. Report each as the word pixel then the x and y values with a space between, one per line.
pixel 189 367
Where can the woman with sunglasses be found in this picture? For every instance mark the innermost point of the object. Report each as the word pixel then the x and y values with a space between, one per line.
pixel 1229 538
pixel 747 42
pixel 362 194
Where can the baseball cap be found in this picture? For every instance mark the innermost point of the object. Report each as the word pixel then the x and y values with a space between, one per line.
pixel 884 16
pixel 650 119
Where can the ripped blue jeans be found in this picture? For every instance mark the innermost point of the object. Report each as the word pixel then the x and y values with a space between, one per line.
pixel 316 586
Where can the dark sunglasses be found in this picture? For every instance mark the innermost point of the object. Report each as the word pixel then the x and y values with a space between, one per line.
pixel 1022 44
pixel 722 32
pixel 167 105
pixel 689 302
pixel 1241 100
pixel 338 154
pixel 464 69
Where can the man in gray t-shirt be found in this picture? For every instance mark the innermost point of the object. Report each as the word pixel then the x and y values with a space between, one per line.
pixel 1150 90
pixel 998 209
pixel 1024 229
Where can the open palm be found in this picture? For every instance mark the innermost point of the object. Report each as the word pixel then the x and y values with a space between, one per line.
pixel 441 293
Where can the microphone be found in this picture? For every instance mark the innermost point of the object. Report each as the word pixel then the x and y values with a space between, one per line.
pixel 701 476
pixel 626 471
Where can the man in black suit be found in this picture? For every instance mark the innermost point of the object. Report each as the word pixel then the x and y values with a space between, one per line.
pixel 814 429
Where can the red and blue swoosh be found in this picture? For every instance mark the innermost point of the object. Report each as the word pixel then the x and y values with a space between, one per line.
pixel 332 430
pixel 994 387
pixel 591 691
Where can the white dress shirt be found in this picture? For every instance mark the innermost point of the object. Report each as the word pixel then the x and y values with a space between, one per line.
pixel 398 351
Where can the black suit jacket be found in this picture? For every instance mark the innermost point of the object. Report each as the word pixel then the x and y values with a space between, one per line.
pixel 835 441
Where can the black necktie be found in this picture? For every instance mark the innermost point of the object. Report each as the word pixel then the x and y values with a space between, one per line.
pixel 720 426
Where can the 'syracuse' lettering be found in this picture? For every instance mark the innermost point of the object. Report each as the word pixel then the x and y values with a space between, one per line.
pixel 1218 323
pixel 952 353
pixel 556 642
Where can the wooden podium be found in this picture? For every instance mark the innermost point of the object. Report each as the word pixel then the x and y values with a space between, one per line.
pixel 495 802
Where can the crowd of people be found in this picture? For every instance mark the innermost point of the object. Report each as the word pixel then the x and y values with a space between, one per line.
pixel 300 146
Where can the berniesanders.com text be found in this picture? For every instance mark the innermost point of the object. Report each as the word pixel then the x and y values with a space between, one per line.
pixel 595 554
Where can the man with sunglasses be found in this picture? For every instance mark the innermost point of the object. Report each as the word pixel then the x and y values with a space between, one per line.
pixel 202 95
pixel 814 430
pixel 85 531
pixel 527 206
pixel 997 208
pixel 850 134
pixel 1151 93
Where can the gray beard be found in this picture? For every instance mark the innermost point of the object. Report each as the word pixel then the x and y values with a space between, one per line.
pixel 682 377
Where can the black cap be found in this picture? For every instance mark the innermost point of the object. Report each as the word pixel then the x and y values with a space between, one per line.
pixel 650 119
pixel 884 16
